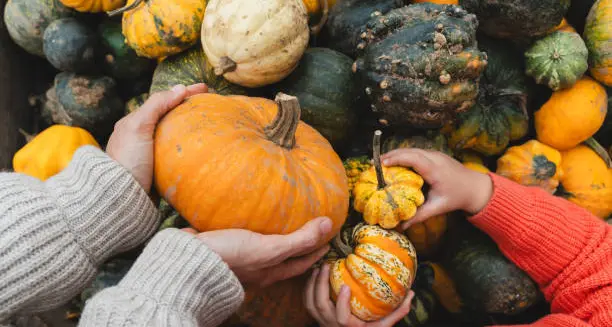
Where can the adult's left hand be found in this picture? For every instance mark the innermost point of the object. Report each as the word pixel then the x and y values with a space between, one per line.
pixel 131 143
pixel 262 260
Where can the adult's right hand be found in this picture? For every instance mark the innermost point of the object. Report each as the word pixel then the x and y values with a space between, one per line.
pixel 265 259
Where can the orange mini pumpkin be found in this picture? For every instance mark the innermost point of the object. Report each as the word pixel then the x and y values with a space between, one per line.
pixel 532 164
pixel 379 267
pixel 250 163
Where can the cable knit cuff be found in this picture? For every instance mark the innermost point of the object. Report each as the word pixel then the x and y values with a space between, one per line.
pixel 178 270
pixel 104 205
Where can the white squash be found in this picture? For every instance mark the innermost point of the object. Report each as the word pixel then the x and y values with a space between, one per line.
pixel 255 42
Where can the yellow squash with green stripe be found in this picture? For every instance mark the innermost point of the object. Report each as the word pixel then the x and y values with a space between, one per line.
pixel 379 269
pixel 597 36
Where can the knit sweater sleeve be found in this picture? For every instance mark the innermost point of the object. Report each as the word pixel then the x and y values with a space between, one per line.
pixel 54 234
pixel 563 247
pixel 176 281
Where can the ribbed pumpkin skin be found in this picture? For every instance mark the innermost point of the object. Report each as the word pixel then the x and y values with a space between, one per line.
pixel 597 35
pixel 557 60
pixel 348 19
pixel 191 67
pixel 532 164
pixel 500 112
pixel 425 82
pixel 161 28
pixel 517 18
pixel 396 202
pixel 379 272
pixel 324 84
pixel 94 5
pixel 427 236
pixel 263 39
pixel 51 151
pixel 26 21
pixel 587 181
pixel 216 166
pixel 572 115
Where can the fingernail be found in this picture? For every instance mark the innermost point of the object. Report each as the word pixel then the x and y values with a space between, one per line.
pixel 178 88
pixel 410 294
pixel 344 289
pixel 385 162
pixel 325 226
pixel 315 271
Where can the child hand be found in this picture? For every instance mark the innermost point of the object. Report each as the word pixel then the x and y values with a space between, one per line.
pixel 321 307
pixel 452 186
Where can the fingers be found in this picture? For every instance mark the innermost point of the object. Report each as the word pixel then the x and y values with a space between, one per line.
pixel 160 103
pixel 309 295
pixel 398 314
pixel 323 303
pixel 417 159
pixel 190 230
pixel 303 241
pixel 343 306
pixel 294 267
pixel 432 207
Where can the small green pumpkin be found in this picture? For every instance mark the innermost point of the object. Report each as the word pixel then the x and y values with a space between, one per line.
pixel 71 46
pixel 557 60
pixel 324 84
pixel 91 103
pixel 26 21
pixel 120 61
pixel 500 113
pixel 191 67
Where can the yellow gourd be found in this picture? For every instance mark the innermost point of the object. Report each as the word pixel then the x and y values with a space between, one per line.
pixel 51 151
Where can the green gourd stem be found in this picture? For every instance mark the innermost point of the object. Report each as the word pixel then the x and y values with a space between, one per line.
pixel 595 146
pixel 124 9
pixel 282 129
pixel 226 65
pixel 377 165
pixel 339 245
pixel 316 29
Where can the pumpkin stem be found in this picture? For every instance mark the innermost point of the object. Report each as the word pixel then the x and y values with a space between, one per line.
pixel 226 65
pixel 377 165
pixel 340 246
pixel 116 12
pixel 600 150
pixel 316 29
pixel 282 129
pixel 27 135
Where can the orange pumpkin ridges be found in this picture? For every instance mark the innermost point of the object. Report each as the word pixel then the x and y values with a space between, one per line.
pixel 240 162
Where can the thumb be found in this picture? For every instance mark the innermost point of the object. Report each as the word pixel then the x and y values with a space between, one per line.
pixel 159 104
pixel 306 239
pixel 432 207
pixel 398 314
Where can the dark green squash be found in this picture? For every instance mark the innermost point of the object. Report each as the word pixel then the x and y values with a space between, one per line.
pixel 420 65
pixel 486 280
pixel 500 113
pixel 324 84
pixel 26 21
pixel 347 19
pixel 134 103
pixel 71 46
pixel 120 61
pixel 424 302
pixel 190 67
pixel 557 60
pixel 516 19
pixel 88 102
pixel 431 140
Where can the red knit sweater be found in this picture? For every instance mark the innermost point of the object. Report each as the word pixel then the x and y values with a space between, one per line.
pixel 564 248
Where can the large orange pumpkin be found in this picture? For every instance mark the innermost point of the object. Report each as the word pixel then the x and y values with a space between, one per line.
pixel 240 162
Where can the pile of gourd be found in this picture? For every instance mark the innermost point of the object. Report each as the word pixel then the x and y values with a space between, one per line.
pixel 297 91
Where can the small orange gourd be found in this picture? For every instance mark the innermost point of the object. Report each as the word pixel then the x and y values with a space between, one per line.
pixel 379 266
pixel 93 6
pixel 427 236
pixel 532 164
pixel 474 162
pixel 572 115
pixel 564 26
pixel 51 151
pixel 587 180
pixel 249 163
pixel 387 195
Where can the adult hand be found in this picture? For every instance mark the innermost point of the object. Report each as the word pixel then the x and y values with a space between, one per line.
pixel 321 307
pixel 265 259
pixel 131 143
pixel 452 185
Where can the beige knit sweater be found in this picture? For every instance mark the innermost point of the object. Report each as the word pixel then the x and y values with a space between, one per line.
pixel 54 235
